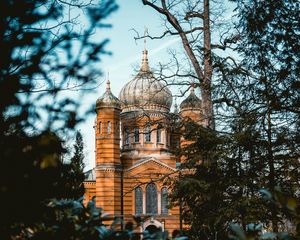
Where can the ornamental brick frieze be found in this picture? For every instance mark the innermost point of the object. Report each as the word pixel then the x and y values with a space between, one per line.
pixel 108 168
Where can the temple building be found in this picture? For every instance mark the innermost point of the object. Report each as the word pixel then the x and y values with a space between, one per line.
pixel 134 142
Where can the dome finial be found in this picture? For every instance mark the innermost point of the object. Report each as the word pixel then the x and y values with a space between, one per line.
pixel 176 106
pixel 145 65
pixel 108 85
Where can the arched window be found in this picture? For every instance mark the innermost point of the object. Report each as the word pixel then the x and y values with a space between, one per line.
pixel 100 127
pixel 151 199
pixel 136 135
pixel 108 127
pixel 167 137
pixel 138 201
pixel 126 132
pixel 147 132
pixel 164 201
pixel 158 135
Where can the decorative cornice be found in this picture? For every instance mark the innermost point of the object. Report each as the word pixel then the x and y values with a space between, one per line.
pixel 141 109
pixel 109 168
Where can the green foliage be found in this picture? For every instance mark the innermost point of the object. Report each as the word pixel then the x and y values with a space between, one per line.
pixel 70 219
pixel 288 204
pixel 43 51
pixel 77 166
pixel 213 192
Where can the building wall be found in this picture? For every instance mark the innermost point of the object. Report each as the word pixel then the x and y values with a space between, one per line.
pixel 136 165
pixel 90 191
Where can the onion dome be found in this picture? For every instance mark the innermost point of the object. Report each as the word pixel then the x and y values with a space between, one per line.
pixel 145 91
pixel 108 99
pixel 191 102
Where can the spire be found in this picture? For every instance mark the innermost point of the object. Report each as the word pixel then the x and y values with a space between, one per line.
pixel 108 86
pixel 176 107
pixel 145 64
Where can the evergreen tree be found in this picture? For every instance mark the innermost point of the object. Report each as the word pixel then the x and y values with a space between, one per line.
pixel 44 50
pixel 257 102
pixel 77 165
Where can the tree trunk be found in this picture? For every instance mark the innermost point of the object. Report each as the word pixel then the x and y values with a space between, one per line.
pixel 206 84
pixel 204 73
pixel 271 168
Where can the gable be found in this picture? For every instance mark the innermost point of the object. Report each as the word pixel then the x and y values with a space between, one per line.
pixel 149 166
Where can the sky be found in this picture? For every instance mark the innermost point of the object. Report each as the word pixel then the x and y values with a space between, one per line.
pixel 126 57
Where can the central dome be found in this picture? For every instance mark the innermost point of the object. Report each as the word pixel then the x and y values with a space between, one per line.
pixel 145 91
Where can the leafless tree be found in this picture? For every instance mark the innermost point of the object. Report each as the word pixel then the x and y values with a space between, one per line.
pixel 192 22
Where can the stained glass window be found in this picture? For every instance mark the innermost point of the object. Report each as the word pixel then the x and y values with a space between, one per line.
pixel 164 201
pixel 158 135
pixel 151 199
pixel 138 201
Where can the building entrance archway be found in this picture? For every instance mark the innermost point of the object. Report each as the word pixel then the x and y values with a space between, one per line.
pixel 152 225
pixel 152 229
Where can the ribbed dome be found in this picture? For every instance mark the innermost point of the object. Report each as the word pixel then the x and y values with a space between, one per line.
pixel 108 99
pixel 192 101
pixel 145 91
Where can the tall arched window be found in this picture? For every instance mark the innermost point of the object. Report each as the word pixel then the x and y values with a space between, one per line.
pixel 158 135
pixel 167 137
pixel 147 132
pixel 151 199
pixel 108 127
pixel 100 127
pixel 136 135
pixel 138 201
pixel 164 201
pixel 126 133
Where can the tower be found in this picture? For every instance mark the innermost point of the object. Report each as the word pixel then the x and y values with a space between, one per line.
pixel 108 166
pixel 191 107
pixel 190 110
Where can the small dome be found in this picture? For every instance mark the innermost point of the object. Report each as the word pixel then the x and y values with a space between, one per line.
pixel 108 99
pixel 145 91
pixel 191 102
